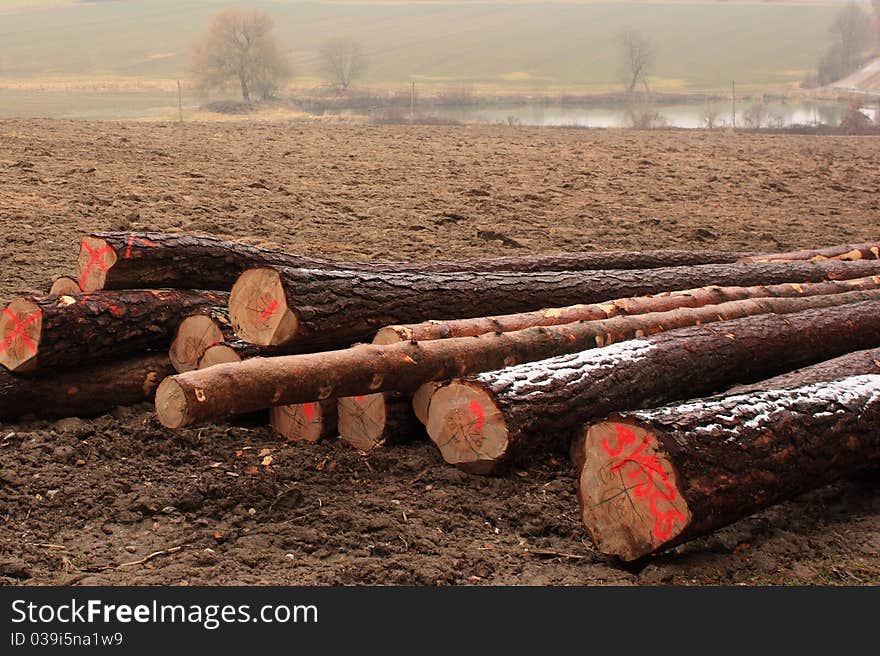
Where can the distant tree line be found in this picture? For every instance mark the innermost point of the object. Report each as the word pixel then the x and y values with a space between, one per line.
pixel 853 34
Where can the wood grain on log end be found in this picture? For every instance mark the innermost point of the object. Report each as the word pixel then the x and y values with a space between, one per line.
pixel 629 493
pixel 218 354
pixel 259 310
pixel 96 258
pixel 171 405
pixel 362 420
pixel 21 325
pixel 468 428
pixel 64 286
pixel 304 422
pixel 393 334
pixel 194 337
pixel 421 401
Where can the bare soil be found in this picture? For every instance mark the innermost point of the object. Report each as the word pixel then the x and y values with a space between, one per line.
pixel 89 501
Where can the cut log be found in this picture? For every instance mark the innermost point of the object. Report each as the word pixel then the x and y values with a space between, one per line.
pixel 373 420
pixel 330 309
pixel 421 400
pixel 219 354
pixel 850 252
pixel 52 332
pixel 64 286
pixel 229 389
pixel 654 478
pixel 86 392
pixel 305 422
pixel 637 305
pixel 481 421
pixel 124 260
pixel 196 334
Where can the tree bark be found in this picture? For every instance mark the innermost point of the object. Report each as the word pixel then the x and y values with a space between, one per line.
pixel 330 309
pixel 86 392
pixel 481 421
pixel 229 389
pixel 370 421
pixel 64 286
pixel 654 478
pixel 304 422
pixel 52 332
pixel 125 260
pixel 850 252
pixel 636 305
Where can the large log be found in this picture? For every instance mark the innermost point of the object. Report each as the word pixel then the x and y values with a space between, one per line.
pixel 850 252
pixel 52 332
pixel 228 389
pixel 331 309
pixel 198 332
pixel 124 260
pixel 64 286
pixel 481 421
pixel 85 392
pixel 650 479
pixel 304 422
pixel 636 305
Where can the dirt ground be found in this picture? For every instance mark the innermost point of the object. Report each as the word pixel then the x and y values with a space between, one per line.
pixel 88 501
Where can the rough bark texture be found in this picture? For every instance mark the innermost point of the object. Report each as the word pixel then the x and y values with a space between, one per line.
pixel 149 259
pixel 52 332
pixel 851 252
pixel 373 420
pixel 654 478
pixel 635 305
pixel 304 422
pixel 258 383
pixel 486 419
pixel 851 364
pixel 86 392
pixel 335 308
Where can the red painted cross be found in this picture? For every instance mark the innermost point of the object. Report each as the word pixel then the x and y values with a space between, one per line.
pixel 94 258
pixel 143 241
pixel 18 330
pixel 269 310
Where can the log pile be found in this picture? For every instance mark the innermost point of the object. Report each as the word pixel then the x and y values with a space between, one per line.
pixel 615 355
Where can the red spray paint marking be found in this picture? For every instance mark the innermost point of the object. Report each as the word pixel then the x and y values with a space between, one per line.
pixel 360 399
pixel 94 258
pixel 143 241
pixel 647 468
pixel 478 413
pixel 309 411
pixel 18 330
pixel 269 310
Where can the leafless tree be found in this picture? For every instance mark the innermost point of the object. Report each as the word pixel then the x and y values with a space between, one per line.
pixel 239 46
pixel 342 61
pixel 637 60
pixel 756 115
pixel 876 4
pixel 852 35
pixel 710 117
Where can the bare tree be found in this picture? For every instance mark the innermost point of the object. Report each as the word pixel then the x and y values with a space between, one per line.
pixel 240 46
pixel 851 32
pixel 342 61
pixel 876 4
pixel 637 60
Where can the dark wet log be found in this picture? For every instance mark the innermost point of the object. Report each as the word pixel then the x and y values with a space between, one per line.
pixel 229 389
pixel 85 392
pixel 52 332
pixel 636 305
pixel 481 421
pixel 125 260
pixel 331 309
pixel 653 478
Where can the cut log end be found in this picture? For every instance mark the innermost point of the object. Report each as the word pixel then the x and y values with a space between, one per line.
pixel 393 335
pixel 362 420
pixel 628 490
pixel 468 428
pixel 302 422
pixel 96 258
pixel 171 405
pixel 21 325
pixel 218 354
pixel 194 337
pixel 259 310
pixel 421 400
pixel 64 286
